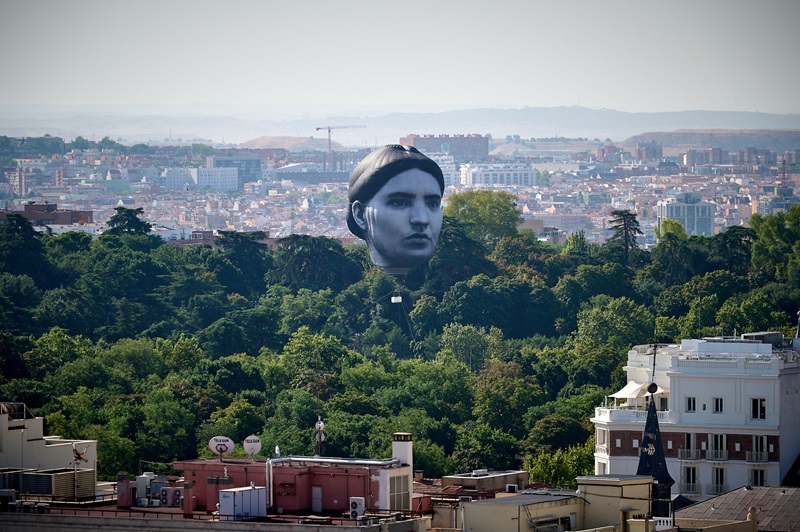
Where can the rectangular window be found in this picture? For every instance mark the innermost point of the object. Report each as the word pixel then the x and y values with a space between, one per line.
pixel 619 442
pixel 601 437
pixel 691 404
pixel 635 443
pixel 758 408
pixel 717 486
pixel 690 475
pixel 757 477
pixel 689 484
pixel 399 499
pixel 718 406
pixel 718 475
pixel 759 444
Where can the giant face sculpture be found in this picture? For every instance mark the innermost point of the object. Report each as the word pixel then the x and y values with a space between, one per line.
pixel 395 198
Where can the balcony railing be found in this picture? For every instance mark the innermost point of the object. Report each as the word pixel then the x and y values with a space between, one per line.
pixel 716 489
pixel 755 456
pixel 690 488
pixel 689 454
pixel 716 455
pixel 663 523
pixel 623 414
pixel 601 448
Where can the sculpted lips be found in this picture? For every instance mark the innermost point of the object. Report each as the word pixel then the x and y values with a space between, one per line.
pixel 418 238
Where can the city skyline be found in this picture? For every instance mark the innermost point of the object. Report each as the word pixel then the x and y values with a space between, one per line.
pixel 354 56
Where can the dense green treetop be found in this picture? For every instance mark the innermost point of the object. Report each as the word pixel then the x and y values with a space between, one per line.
pixel 488 215
pixel 491 358
pixel 626 230
pixel 127 221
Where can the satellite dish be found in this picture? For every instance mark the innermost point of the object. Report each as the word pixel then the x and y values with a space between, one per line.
pixel 252 445
pixel 221 445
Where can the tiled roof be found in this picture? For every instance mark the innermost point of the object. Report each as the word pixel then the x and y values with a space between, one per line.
pixel 778 509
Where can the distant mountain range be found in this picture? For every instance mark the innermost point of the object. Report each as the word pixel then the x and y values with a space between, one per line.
pixel 527 122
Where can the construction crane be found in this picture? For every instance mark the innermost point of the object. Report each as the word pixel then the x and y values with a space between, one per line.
pixel 330 150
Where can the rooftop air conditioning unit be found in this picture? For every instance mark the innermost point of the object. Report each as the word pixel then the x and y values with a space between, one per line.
pixel 480 472
pixel 357 507
pixel 177 497
pixel 511 488
pixel 464 498
pixel 166 496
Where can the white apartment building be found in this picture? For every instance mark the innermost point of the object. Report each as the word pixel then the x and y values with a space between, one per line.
pixel 450 172
pixel 695 215
pixel 497 174
pixel 222 179
pixel 176 179
pixel 728 411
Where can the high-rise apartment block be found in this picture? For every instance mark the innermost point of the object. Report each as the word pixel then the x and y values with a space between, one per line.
pixel 649 151
pixel 217 179
pixel 249 166
pixel 463 148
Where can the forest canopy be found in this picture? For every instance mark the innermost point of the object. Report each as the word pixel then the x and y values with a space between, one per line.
pixel 152 348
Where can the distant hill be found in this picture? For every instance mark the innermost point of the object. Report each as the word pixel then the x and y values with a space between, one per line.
pixel 295 144
pixel 728 139
pixel 527 122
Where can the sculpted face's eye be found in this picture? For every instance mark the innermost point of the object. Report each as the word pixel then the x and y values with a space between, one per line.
pixel 433 203
pixel 399 201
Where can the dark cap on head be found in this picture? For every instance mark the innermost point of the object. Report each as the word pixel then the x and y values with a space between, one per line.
pixel 380 166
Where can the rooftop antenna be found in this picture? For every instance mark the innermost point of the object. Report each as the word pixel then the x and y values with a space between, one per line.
pixel 320 436
pixel 79 456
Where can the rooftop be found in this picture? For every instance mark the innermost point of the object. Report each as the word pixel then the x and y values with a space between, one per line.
pixel 778 509
pixel 528 497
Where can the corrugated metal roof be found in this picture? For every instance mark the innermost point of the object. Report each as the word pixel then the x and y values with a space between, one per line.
pixel 778 509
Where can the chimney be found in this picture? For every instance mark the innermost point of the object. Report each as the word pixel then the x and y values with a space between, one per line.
pixel 402 448
pixel 123 490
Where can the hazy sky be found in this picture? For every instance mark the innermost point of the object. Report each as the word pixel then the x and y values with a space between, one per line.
pixel 406 55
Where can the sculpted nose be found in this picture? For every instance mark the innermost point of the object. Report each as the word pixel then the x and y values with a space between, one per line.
pixel 419 214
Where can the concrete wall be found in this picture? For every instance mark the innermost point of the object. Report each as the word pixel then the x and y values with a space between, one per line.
pixel 480 516
pixel 611 500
